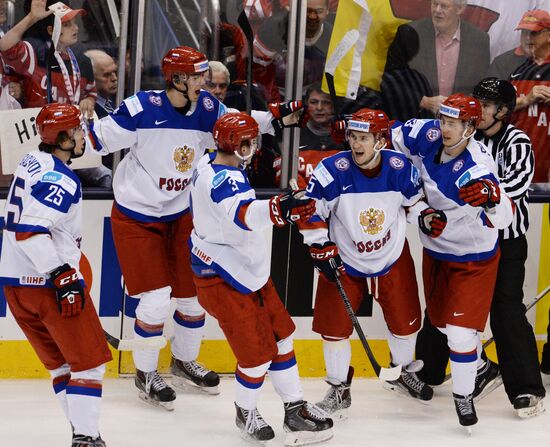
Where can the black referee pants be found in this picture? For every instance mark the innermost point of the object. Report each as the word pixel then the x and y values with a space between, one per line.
pixel 514 337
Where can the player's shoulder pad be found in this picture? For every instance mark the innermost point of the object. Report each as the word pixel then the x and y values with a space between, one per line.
pixel 332 167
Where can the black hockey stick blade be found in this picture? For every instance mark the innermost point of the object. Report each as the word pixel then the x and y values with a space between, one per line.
pixel 243 22
pixel 332 91
pixel 135 344
pixel 386 374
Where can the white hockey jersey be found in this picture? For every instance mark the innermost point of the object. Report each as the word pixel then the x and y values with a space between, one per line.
pixel 228 238
pixel 366 215
pixel 471 233
pixel 42 221
pixel 150 183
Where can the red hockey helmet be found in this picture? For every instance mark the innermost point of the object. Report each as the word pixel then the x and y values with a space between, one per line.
pixel 368 120
pixel 463 107
pixel 183 60
pixel 55 118
pixel 232 129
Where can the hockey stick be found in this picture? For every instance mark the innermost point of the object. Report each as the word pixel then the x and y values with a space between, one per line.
pixel 387 374
pixel 249 35
pixel 532 303
pixel 135 344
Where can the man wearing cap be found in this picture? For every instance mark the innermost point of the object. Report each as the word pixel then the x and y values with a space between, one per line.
pixel 532 82
pixel 72 78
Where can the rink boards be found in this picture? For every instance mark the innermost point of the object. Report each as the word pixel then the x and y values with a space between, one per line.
pixel 18 360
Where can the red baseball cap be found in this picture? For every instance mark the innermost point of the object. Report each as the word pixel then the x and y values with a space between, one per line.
pixel 64 12
pixel 534 20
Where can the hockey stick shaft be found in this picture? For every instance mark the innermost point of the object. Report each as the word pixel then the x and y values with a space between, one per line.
pixel 243 22
pixel 135 344
pixel 382 373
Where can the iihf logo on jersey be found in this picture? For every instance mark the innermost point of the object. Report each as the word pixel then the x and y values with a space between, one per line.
pixel 155 100
pixel 372 220
pixel 207 103
pixel 183 158
pixel 433 134
pixel 396 162
pixel 458 165
pixel 342 164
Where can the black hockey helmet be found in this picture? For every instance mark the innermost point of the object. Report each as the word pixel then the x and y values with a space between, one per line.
pixel 501 92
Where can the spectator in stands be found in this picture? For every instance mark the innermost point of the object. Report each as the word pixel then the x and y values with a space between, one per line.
pixel 72 79
pixel 504 64
pixel 453 54
pixel 317 138
pixel 106 81
pixel 532 82
pixel 218 80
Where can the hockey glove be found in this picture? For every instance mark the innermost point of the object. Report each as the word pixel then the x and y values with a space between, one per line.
pixel 327 260
pixel 432 222
pixel 338 131
pixel 69 291
pixel 290 208
pixel 288 114
pixel 480 192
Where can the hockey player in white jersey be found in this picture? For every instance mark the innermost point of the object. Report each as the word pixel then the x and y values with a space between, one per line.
pixel 230 260
pixel 167 133
pixel 39 269
pixel 459 267
pixel 364 197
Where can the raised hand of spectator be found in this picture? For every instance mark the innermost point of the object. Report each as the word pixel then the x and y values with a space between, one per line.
pixel 432 103
pixel 38 10
pixel 87 107
pixel 539 93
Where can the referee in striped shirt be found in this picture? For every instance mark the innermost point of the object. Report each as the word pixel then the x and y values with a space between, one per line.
pixel 514 337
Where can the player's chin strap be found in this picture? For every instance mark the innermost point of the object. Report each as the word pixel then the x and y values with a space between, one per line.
pixel 377 148
pixel 462 140
pixel 71 150
pixel 185 92
pixel 245 161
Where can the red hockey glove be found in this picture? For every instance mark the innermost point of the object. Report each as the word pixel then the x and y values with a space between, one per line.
pixel 338 131
pixel 432 222
pixel 69 291
pixel 480 192
pixel 288 114
pixel 290 208
pixel 327 260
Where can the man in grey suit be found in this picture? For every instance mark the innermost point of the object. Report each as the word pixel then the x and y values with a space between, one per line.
pixel 453 55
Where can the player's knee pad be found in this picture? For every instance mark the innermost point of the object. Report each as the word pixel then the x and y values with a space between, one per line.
pixel 189 306
pixel 63 370
pixel 256 371
pixel 154 306
pixel 96 373
pixel 461 339
pixel 285 345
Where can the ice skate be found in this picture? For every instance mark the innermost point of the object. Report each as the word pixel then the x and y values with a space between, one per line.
pixel 192 376
pixel 529 405
pixel 253 427
pixel 338 399
pixel 409 385
pixel 305 424
pixel 465 411
pixel 487 379
pixel 83 441
pixel 154 390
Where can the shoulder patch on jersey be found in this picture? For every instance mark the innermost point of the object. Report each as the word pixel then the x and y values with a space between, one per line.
pixel 458 165
pixel 208 103
pixel 322 175
pixel 51 177
pixel 219 178
pixel 433 134
pixel 471 174
pixel 396 162
pixel 415 176
pixel 155 100
pixel 342 164
pixel 134 105
pixel 67 183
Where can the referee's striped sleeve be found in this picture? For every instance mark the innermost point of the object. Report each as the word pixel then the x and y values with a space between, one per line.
pixel 518 163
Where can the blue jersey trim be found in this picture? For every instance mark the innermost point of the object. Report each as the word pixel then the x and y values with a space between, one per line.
pixel 353 272
pixel 144 218
pixel 464 258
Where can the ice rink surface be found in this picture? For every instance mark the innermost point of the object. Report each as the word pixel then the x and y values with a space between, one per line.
pixel 30 416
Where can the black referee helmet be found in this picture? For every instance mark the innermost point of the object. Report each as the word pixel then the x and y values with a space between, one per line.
pixel 501 92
